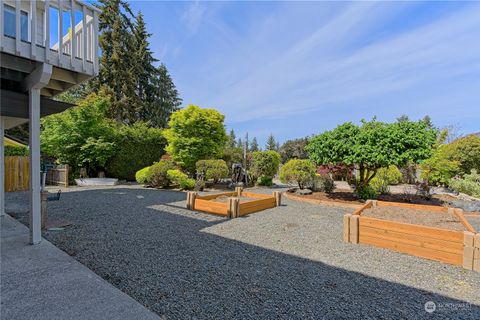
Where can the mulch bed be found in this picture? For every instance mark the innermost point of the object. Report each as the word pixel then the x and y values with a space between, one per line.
pixel 348 197
pixel 442 220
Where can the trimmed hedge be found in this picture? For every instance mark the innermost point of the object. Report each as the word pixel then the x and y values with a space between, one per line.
pixel 301 172
pixel 212 169
pixel 179 178
pixel 16 151
pixel 137 146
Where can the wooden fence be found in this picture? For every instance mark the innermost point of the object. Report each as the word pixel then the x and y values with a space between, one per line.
pixel 16 173
pixel 58 176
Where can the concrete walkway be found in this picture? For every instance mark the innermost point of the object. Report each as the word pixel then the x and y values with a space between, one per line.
pixel 43 282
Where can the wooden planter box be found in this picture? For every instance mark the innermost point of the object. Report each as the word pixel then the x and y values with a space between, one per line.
pixel 461 248
pixel 234 207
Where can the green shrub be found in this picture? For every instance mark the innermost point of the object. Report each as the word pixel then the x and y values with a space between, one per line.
pixel 265 181
pixel 470 184
pixel 212 169
pixel 265 164
pixel 141 176
pixel 439 169
pixel 158 174
pixel 366 192
pixel 384 178
pixel 177 177
pixel 301 172
pixel 323 183
pixel 137 146
pixel 16 151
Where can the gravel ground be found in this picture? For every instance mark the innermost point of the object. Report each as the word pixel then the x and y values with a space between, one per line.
pixel 282 263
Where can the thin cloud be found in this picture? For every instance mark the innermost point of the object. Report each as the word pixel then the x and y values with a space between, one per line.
pixel 193 16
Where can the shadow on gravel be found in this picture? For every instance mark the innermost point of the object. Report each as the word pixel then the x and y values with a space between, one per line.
pixel 154 250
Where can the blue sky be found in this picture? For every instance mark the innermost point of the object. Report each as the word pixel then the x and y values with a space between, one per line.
pixel 299 68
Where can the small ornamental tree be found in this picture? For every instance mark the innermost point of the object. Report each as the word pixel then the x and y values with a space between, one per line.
pixel 193 134
pixel 299 171
pixel 372 145
pixel 81 136
pixel 265 164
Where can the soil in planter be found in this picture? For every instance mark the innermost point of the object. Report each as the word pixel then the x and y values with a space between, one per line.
pixel 413 216
pixel 224 199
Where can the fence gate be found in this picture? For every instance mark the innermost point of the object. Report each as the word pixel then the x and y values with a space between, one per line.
pixel 58 175
pixel 16 173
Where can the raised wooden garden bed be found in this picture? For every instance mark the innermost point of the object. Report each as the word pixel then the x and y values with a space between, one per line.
pixel 384 224
pixel 232 204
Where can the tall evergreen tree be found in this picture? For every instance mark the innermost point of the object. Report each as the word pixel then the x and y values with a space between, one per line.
pixel 240 143
pixel 271 143
pixel 254 146
pixel 232 139
pixel 165 100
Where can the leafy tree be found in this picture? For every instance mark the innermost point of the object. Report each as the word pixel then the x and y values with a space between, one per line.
pixel 265 164
pixel 254 146
pixel 195 133
pixel 466 151
pixel 372 146
pixel 299 171
pixel 271 143
pixel 294 149
pixel 81 136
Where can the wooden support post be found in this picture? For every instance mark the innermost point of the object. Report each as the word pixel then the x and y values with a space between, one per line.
pixel 468 250
pixel 278 198
pixel 67 169
pixel 238 190
pixel 476 253
pixel 191 200
pixel 354 222
pixel 233 207
pixel 44 197
pixel 346 227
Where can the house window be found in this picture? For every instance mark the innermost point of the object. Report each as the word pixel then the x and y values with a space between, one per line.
pixel 9 28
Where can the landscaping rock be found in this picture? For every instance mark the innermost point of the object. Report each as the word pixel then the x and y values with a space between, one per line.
pixel 469 206
pixel 303 192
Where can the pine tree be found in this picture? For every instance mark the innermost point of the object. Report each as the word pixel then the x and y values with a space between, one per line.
pixel 240 143
pixel 254 146
pixel 231 139
pixel 165 100
pixel 271 143
pixel 116 62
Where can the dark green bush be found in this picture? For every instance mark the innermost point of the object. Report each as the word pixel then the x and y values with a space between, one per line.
pixel 323 183
pixel 366 193
pixel 158 174
pixel 16 151
pixel 212 169
pixel 265 181
pixel 137 146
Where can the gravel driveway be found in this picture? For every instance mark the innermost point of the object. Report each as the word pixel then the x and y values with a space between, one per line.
pixel 287 262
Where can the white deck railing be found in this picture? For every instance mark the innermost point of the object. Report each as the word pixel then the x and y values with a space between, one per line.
pixel 36 30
